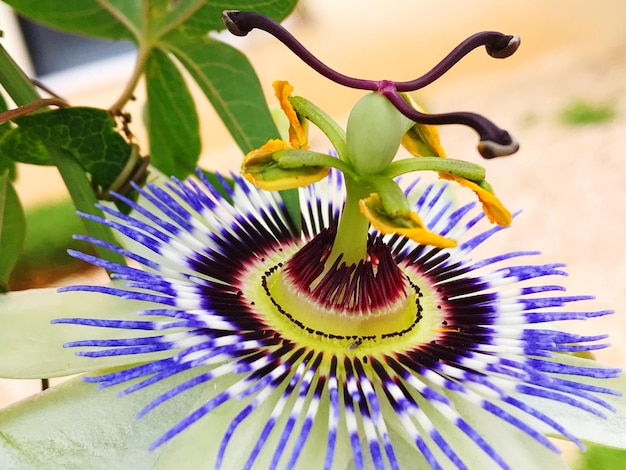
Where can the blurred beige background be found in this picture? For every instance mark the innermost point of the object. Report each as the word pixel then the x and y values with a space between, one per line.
pixel 569 181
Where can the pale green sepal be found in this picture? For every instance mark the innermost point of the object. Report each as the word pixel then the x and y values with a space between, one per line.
pixel 31 347
pixel 73 426
pixel 528 453
pixel 518 450
pixel 197 446
pixel 195 451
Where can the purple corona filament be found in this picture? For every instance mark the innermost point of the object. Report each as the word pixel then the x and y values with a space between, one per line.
pixel 209 298
pixel 494 141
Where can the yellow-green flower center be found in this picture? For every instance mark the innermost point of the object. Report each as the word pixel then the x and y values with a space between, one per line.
pixel 370 307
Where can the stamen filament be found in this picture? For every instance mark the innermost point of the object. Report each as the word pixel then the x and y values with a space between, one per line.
pixel 351 239
pixel 460 168
pixel 295 158
pixel 323 122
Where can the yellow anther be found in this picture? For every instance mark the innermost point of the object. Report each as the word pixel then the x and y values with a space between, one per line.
pixel 409 225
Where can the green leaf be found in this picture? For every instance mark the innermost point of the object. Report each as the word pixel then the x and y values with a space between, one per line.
pixel 171 117
pixel 127 12
pixel 22 144
pixel 88 134
pixel 49 236
pixel 231 85
pixel 209 17
pixel 12 229
pixel 82 193
pixel 77 16
pixel 124 19
pixel 159 8
pixel 604 458
pixel 6 163
pixel 166 16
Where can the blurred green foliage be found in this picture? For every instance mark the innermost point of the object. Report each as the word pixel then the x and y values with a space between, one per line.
pixel 48 237
pixel 582 112
pixel 602 458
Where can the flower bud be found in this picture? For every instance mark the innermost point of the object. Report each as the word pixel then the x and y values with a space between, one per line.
pixel 374 132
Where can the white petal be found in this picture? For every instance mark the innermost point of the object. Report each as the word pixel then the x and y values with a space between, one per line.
pixel 587 427
pixel 31 347
pixel 74 426
pixel 519 450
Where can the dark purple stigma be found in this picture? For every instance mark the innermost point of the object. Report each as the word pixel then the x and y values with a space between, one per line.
pixel 493 142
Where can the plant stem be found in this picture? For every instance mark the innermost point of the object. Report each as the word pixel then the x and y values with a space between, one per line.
pixel 15 81
pixel 31 108
pixel 323 121
pixel 140 64
pixel 296 158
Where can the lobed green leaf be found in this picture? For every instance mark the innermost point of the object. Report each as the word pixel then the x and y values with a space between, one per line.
pixel 209 17
pixel 24 146
pixel 229 82
pixel 88 134
pixel 141 20
pixel 166 16
pixel 87 17
pixel 171 116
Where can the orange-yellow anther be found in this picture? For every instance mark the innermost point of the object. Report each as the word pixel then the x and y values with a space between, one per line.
pixel 297 135
pixel 409 225
pixel 260 169
pixel 493 208
pixel 423 140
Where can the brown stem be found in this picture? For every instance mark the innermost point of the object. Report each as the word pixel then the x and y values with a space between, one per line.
pixel 31 107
